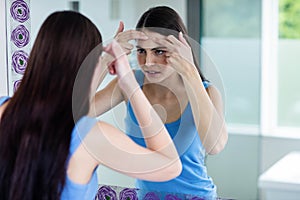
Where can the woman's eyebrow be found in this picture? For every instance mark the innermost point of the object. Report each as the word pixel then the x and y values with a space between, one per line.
pixel 153 49
pixel 158 48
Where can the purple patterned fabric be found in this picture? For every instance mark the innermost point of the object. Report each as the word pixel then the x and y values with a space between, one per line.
pixel 19 10
pixel 106 193
pixel 20 36
pixel 19 61
pixel 151 196
pixel 128 194
pixel 16 85
pixel 171 197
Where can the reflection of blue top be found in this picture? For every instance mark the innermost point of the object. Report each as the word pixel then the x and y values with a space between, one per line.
pixel 193 178
pixel 3 100
pixel 73 190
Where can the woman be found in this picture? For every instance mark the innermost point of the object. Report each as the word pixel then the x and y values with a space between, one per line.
pixel 190 106
pixel 46 139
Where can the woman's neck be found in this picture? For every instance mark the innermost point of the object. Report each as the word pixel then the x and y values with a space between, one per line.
pixel 167 88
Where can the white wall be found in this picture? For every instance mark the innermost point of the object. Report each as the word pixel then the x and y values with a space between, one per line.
pixel 3 51
pixel 97 11
pixel 236 170
pixel 178 5
pixel 238 62
pixel 39 11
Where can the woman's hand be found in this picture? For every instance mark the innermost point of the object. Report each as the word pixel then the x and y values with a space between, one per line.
pixel 179 53
pixel 120 62
pixel 123 38
pixel 121 67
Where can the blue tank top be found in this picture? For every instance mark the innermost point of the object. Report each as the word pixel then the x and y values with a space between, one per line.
pixel 3 100
pixel 193 179
pixel 73 190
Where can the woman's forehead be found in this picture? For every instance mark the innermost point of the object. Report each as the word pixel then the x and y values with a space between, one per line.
pixel 149 43
pixel 152 34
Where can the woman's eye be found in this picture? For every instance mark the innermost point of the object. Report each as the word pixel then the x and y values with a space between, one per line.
pixel 141 51
pixel 160 52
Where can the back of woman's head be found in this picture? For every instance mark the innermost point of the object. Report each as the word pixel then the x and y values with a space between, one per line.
pixel 36 127
pixel 63 42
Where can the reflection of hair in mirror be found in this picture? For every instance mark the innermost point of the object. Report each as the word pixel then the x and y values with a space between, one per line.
pixel 36 126
pixel 166 21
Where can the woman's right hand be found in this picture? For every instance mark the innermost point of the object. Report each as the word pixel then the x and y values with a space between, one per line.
pixel 123 37
pixel 119 61
pixel 121 67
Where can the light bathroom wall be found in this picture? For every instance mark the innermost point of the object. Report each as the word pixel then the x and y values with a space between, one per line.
pixel 3 53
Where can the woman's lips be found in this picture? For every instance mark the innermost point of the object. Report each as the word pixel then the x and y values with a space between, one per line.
pixel 152 72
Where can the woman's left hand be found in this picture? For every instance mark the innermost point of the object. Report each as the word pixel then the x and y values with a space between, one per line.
pixel 179 53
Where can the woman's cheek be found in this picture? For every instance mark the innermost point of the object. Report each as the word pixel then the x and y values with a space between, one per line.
pixel 165 60
pixel 141 59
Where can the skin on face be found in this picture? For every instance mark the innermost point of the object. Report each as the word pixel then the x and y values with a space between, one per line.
pixel 152 58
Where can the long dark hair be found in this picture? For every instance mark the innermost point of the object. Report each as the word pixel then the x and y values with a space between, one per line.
pixel 36 126
pixel 166 21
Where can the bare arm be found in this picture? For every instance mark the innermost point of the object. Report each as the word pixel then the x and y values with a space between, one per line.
pixel 208 113
pixel 109 146
pixel 207 108
pixel 106 99
pixel 112 95
pixel 156 136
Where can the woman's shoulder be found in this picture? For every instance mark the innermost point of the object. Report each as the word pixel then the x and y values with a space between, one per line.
pixel 81 164
pixel 3 99
pixel 82 127
pixel 213 92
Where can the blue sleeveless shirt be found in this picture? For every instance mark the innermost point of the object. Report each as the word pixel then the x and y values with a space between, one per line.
pixel 71 189
pixel 74 190
pixel 193 179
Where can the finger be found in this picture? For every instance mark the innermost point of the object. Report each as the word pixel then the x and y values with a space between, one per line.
pixel 111 69
pixel 182 39
pixel 132 35
pixel 127 46
pixel 116 49
pixel 108 49
pixel 172 39
pixel 120 28
pixel 164 43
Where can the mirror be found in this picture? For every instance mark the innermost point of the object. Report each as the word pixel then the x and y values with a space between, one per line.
pixel 235 171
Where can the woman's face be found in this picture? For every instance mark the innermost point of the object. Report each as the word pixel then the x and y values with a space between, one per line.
pixel 152 58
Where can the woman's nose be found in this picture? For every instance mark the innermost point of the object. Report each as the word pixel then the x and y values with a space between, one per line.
pixel 150 59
